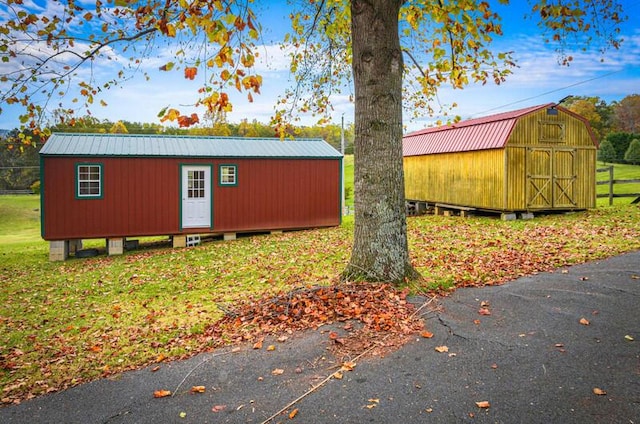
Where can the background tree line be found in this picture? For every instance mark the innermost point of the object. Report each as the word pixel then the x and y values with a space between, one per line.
pixel 19 162
pixel 616 126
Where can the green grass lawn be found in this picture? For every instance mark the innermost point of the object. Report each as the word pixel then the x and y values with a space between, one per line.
pixel 620 172
pixel 64 323
pixel 348 179
pixel 19 219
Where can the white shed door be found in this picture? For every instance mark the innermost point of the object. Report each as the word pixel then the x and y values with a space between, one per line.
pixel 196 196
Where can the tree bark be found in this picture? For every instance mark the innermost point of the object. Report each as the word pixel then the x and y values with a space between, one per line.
pixel 380 251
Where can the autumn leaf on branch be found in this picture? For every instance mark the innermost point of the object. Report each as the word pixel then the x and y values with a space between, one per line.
pixel 64 51
pixel 190 73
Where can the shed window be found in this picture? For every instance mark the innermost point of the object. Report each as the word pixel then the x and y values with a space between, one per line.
pixel 551 131
pixel 228 175
pixel 89 181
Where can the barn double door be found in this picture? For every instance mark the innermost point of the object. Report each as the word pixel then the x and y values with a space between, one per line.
pixel 550 178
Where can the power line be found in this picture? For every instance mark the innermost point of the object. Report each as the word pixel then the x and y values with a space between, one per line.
pixel 549 92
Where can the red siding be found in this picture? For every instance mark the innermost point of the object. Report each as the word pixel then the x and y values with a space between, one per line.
pixel 279 194
pixel 141 197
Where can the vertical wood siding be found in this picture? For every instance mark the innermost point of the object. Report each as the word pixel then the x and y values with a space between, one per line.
pixel 548 163
pixel 466 178
pixel 279 194
pixel 141 197
pixel 564 144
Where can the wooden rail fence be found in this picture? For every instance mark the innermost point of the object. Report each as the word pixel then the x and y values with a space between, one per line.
pixel 611 182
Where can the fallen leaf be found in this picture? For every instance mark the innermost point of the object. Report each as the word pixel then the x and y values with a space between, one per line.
pixel 426 334
pixel 271 348
pixel 599 392
pixel 293 414
pixel 161 393
pixel 160 358
pixel 476 321
pixel 441 349
pixel 337 375
pixel 183 414
pixel 484 311
pixel 198 389
pixel 283 339
pixel 333 335
pixel 218 408
pixel 258 344
pixel 154 369
pixel 494 366
pixel 483 404
pixel 370 406
pixel 429 410
pixel 628 337
pixel 277 371
pixel 373 400
pixel 584 321
pixel 348 366
pixel 484 304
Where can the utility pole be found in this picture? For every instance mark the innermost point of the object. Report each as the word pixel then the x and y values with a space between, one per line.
pixel 343 203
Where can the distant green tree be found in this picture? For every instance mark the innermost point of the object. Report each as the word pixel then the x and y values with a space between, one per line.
pixel 607 153
pixel 632 155
pixel 620 142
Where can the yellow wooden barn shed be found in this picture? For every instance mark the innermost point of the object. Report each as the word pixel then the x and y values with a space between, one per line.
pixel 541 158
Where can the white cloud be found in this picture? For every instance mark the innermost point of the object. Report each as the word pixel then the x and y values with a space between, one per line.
pixel 539 79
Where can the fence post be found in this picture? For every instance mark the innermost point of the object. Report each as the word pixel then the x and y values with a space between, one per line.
pixel 610 185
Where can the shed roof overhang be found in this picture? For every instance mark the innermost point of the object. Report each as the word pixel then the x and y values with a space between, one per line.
pixel 154 145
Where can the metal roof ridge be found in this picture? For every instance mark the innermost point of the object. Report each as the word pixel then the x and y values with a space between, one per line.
pixel 502 116
pixel 186 136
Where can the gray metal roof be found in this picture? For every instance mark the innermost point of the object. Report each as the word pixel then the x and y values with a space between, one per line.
pixel 155 145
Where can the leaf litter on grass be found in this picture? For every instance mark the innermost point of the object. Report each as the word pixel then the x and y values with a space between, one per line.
pixel 72 322
pixel 385 315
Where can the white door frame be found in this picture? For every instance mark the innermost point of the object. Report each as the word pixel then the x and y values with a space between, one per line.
pixel 196 196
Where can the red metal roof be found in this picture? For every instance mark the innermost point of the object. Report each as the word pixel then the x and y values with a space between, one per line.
pixel 489 132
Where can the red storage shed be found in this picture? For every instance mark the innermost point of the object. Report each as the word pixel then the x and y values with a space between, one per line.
pixel 116 186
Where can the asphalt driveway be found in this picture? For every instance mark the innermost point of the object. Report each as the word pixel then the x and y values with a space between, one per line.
pixel 559 347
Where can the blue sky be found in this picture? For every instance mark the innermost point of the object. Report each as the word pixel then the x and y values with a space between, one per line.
pixel 538 79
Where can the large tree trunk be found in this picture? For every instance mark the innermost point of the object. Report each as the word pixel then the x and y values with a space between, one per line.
pixel 380 250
